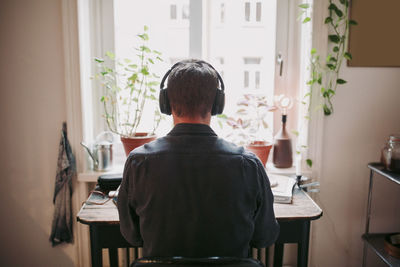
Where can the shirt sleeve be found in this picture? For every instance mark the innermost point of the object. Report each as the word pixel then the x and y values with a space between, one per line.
pixel 266 228
pixel 129 220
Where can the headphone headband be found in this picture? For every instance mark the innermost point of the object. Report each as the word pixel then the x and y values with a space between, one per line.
pixel 219 101
pixel 196 62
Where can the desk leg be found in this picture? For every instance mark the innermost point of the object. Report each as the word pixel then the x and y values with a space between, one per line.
pixel 278 254
pixel 113 255
pixel 302 249
pixel 266 256
pixel 371 184
pixel 95 248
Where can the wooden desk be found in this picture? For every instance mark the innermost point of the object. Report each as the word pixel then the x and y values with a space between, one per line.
pixel 294 220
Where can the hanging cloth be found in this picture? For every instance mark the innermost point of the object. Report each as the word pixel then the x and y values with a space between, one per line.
pixel 61 230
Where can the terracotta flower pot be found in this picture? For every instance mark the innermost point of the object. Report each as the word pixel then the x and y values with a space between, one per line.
pixel 261 149
pixel 130 143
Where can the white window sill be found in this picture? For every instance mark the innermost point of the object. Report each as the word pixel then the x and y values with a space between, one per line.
pixel 90 176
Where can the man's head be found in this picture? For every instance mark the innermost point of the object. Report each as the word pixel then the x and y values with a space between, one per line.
pixel 192 86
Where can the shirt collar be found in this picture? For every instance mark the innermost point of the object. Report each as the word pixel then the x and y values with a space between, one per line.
pixel 192 129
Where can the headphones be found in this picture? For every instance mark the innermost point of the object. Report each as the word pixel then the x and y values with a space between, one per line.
pixel 219 101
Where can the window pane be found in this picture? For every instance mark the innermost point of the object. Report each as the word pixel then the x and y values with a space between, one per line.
pixel 222 13
pixel 185 12
pixel 257 80
pixel 170 37
pixel 252 60
pixel 247 11
pixel 246 79
pixel 244 50
pixel 172 12
pixel 258 11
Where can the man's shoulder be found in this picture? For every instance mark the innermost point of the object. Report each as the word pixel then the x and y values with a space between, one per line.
pixel 212 145
pixel 152 147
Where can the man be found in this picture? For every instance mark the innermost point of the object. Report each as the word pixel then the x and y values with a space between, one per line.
pixel 191 193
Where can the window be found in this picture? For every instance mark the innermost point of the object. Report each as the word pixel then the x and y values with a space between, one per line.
pixel 252 73
pixel 179 10
pixel 242 50
pixel 219 66
pixel 185 12
pixel 222 15
pixel 173 12
pixel 252 11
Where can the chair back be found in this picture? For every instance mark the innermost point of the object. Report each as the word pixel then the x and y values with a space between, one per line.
pixel 199 262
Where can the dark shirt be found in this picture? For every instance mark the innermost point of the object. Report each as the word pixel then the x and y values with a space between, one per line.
pixel 193 194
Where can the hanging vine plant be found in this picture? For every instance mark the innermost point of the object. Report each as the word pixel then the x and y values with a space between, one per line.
pixel 325 73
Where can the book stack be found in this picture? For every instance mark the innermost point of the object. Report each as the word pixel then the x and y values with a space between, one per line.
pixel 282 188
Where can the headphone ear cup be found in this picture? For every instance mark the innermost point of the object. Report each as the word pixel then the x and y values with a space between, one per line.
pixel 165 107
pixel 219 103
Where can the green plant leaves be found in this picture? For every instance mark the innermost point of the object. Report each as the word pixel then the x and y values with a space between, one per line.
pixel 332 6
pixel 313 51
pixel 328 58
pixel 153 83
pixel 348 56
pixel 145 49
pixel 145 71
pixel 133 77
pixel 309 162
pixel 334 38
pixel 128 86
pixel 98 60
pixel 304 6
pixel 328 20
pixel 339 13
pixel 143 36
pixel 341 81
pixel 306 19
pixel 110 55
pixel 327 111
pixel 331 66
pixel 353 22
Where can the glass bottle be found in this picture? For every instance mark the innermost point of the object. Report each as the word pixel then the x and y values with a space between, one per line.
pixel 282 156
pixel 391 153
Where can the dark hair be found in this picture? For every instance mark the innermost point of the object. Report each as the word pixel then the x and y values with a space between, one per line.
pixel 192 86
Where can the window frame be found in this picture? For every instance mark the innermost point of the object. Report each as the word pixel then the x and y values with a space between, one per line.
pixel 97 18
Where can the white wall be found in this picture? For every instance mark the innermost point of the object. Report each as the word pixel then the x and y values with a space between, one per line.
pixel 367 111
pixel 32 109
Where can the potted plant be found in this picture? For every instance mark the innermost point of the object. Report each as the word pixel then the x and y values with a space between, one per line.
pixel 249 125
pixel 130 86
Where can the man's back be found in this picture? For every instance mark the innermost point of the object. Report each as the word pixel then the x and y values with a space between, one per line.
pixel 193 194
